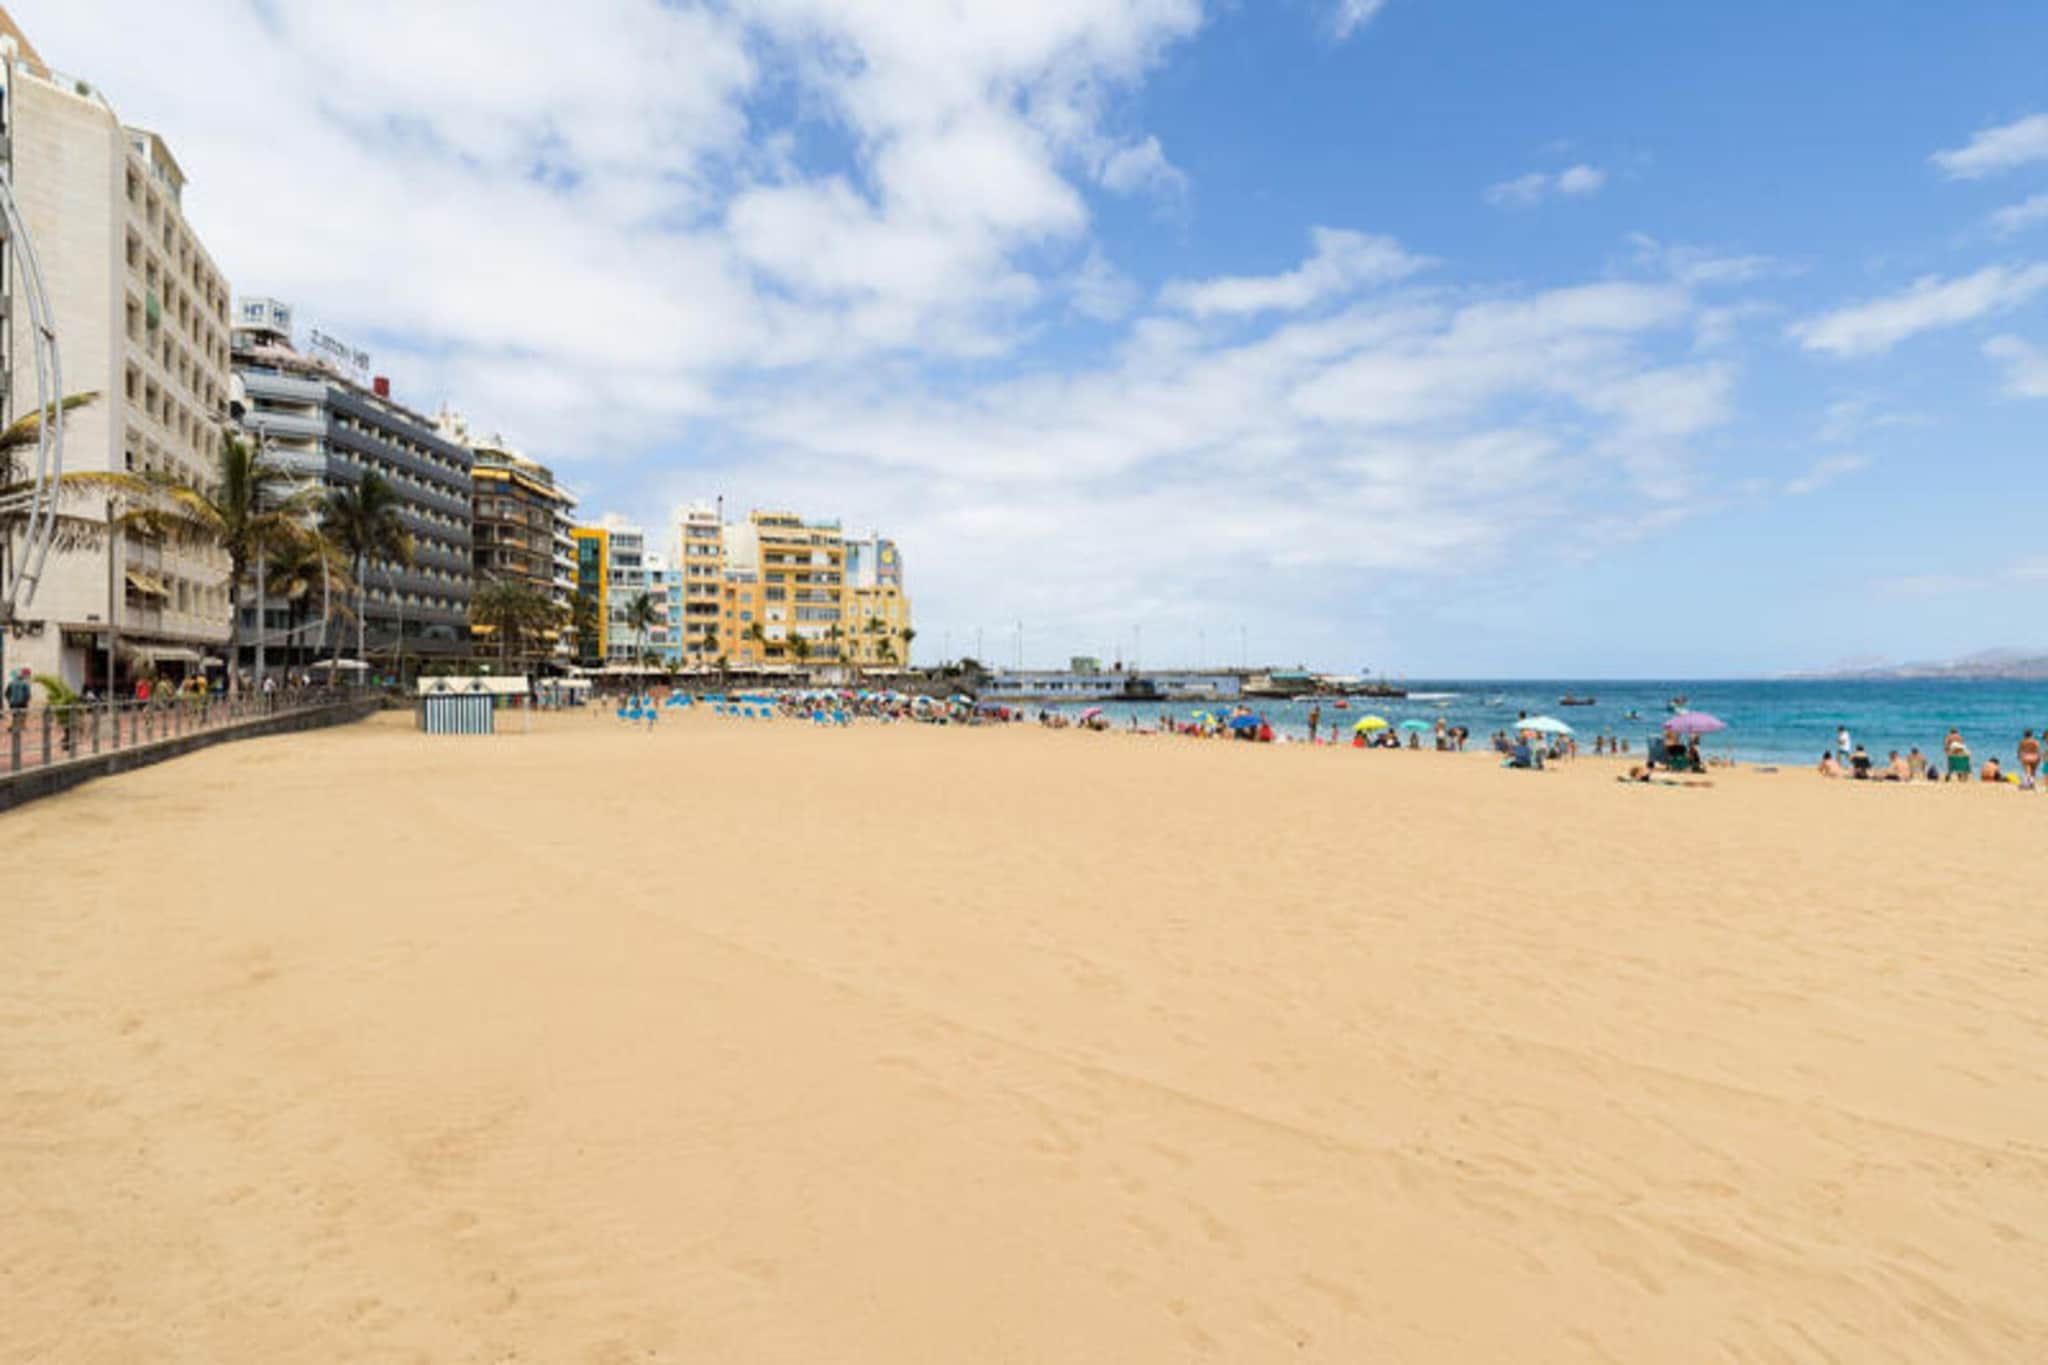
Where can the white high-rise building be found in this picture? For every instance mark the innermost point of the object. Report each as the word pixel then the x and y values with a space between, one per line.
pixel 142 322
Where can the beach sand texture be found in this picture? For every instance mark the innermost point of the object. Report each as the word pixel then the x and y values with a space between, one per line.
pixel 749 1042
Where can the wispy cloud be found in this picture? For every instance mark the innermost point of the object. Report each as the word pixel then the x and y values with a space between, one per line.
pixel 1343 261
pixel 1140 166
pixel 2026 367
pixel 1525 191
pixel 1878 325
pixel 1825 471
pixel 1993 150
pixel 1701 267
pixel 1846 419
pixel 1349 16
pixel 2017 218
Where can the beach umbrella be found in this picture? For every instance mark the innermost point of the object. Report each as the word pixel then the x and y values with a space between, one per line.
pixel 1366 723
pixel 1420 726
pixel 1695 723
pixel 1246 722
pixel 1091 713
pixel 1543 725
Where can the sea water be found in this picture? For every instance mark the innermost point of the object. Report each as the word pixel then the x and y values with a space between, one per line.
pixel 1783 722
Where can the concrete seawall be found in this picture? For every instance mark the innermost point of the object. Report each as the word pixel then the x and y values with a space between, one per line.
pixel 20 788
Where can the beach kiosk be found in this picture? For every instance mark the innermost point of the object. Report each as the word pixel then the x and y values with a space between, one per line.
pixel 465 706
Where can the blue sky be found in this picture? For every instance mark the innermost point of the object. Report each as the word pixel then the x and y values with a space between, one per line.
pixel 1424 336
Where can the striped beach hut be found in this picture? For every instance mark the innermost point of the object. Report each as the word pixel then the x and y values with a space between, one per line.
pixel 457 706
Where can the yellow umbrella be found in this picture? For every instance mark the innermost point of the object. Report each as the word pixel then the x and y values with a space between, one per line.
pixel 1370 723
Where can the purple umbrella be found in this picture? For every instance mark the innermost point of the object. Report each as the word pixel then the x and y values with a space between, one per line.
pixel 1694 723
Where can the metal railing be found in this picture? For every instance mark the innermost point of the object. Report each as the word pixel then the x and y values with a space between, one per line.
pixel 46 735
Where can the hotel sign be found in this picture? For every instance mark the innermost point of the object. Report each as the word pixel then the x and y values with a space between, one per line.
pixel 353 362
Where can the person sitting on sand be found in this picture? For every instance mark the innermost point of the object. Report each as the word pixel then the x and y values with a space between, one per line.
pixel 1828 766
pixel 1991 772
pixel 1898 770
pixel 1958 757
pixel 1859 764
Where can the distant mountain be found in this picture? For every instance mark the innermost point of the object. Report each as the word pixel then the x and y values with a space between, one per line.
pixel 2000 665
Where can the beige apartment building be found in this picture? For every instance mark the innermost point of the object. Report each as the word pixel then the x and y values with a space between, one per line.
pixel 142 321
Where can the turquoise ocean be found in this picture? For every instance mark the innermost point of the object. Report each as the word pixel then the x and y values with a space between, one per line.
pixel 1768 721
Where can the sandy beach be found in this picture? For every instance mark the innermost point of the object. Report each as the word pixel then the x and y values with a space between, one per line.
pixel 751 1042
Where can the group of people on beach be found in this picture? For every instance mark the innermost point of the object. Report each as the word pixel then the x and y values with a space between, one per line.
pixel 1852 761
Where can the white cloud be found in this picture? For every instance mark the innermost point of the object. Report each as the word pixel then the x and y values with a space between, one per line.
pixel 1697 266
pixel 804 250
pixel 1142 166
pixel 1343 261
pixel 1525 191
pixel 1404 437
pixel 1846 419
pixel 1825 471
pixel 1349 16
pixel 1997 149
pixel 1930 302
pixel 2016 218
pixel 2026 367
pixel 1101 291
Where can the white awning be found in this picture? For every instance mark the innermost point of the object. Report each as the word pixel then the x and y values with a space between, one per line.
pixel 166 654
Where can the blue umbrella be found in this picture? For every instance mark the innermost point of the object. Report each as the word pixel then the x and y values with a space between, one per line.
pixel 1418 725
pixel 1245 722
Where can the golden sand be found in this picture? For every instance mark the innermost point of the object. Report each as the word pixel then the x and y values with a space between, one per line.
pixel 749 1042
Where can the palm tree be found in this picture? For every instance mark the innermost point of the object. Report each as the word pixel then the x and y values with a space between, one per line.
pixel 308 568
pixel 515 612
pixel 759 636
pixel 140 504
pixel 799 648
pixel 584 625
pixel 140 498
pixel 641 613
pixel 253 508
pixel 724 665
pixel 362 521
pixel 709 644
pixel 832 637
pixel 906 635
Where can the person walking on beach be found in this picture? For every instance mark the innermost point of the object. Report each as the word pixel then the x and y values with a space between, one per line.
pixel 1315 720
pixel 18 698
pixel 1842 746
pixel 2030 760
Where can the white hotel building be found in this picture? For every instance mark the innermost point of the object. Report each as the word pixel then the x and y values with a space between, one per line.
pixel 142 321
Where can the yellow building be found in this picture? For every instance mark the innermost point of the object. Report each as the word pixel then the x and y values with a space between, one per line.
pixel 876 619
pixel 593 571
pixel 706 637
pixel 754 589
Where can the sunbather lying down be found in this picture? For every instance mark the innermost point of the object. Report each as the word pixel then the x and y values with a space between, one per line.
pixel 1641 774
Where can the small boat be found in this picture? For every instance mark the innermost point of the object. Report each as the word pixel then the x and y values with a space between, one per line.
pixel 1569 700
